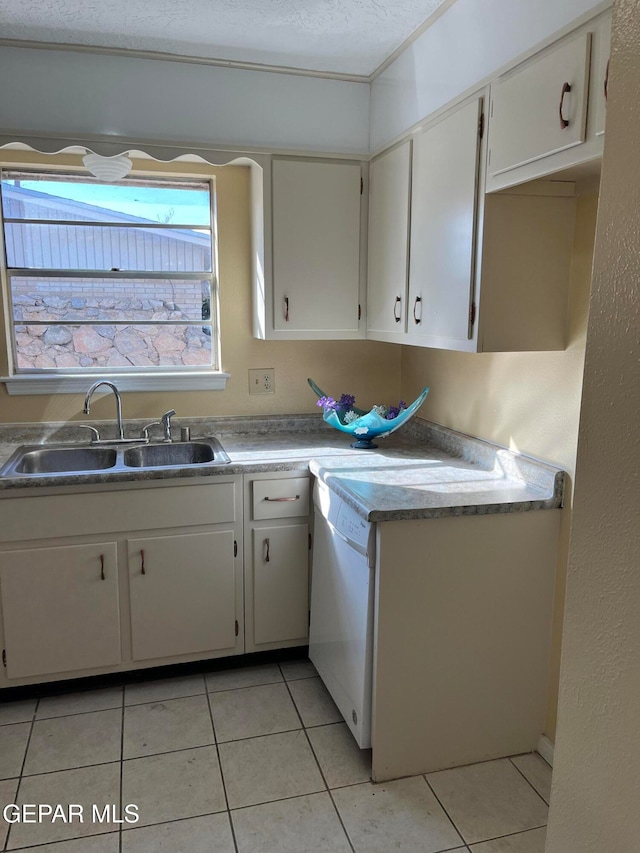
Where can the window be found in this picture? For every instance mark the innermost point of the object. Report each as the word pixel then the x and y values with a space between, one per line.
pixel 115 278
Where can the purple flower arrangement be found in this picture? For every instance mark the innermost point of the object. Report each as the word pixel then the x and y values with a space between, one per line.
pixel 344 408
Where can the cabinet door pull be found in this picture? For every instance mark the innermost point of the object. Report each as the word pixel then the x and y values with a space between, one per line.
pixel 267 558
pixel 396 316
pixel 142 568
pixel 286 309
pixel 102 567
pixel 606 81
pixel 417 319
pixel 566 87
pixel 281 500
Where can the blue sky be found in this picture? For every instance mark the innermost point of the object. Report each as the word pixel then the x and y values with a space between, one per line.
pixel 184 206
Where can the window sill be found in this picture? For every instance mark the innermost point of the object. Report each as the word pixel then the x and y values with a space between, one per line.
pixel 78 384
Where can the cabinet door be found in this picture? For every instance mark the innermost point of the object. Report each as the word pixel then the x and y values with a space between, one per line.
pixel 532 116
pixel 600 53
pixel 183 592
pixel 60 609
pixel 443 225
pixel 316 246
pixel 387 270
pixel 280 584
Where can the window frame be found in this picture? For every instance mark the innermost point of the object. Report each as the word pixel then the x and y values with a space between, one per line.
pixel 134 378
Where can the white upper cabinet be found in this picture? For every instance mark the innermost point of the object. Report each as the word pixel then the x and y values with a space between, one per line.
pixel 388 266
pixel 541 108
pixel 487 272
pixel 316 228
pixel 443 228
pixel 600 53
pixel 423 208
pixel 548 114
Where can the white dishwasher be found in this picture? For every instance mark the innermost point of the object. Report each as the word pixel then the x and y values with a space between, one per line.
pixel 342 596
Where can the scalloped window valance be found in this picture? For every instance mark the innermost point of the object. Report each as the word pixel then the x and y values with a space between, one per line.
pixel 162 152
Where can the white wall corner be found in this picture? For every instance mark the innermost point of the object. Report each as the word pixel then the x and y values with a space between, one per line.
pixel 545 749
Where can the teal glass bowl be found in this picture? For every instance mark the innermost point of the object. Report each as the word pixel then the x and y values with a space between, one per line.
pixel 368 425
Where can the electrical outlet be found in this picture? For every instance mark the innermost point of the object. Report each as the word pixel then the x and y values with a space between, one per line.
pixel 262 380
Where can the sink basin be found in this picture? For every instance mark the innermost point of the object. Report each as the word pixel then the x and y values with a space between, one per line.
pixel 58 460
pixel 162 455
pixel 68 459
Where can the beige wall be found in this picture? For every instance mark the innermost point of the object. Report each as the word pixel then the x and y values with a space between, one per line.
pixel 367 369
pixel 527 401
pixel 594 800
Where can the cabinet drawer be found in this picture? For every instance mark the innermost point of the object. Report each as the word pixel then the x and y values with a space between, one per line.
pixel 110 511
pixel 280 498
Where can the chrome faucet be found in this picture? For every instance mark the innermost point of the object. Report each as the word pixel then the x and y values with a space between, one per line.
pixel 116 393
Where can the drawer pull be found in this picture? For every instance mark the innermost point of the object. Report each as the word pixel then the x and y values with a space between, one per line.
pixel 102 567
pixel 142 568
pixel 566 87
pixel 267 558
pixel 282 500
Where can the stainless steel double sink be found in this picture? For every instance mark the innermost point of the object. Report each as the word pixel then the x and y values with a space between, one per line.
pixel 52 460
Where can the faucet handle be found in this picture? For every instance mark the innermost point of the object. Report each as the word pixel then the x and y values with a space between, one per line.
pixel 95 434
pixel 144 432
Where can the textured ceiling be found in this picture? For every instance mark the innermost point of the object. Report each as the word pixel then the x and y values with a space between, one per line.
pixel 345 36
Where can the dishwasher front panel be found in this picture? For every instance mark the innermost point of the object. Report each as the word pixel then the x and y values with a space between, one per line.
pixel 341 630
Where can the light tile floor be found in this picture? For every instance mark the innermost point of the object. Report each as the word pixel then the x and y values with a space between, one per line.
pixel 253 760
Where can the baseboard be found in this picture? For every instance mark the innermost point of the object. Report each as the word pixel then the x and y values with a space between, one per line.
pixel 545 748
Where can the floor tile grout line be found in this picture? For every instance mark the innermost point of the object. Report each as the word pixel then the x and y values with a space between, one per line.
pixel 132 828
pixel 507 835
pixel 123 706
pixel 78 714
pixel 22 766
pixel 166 699
pixel 204 692
pixel 127 829
pixel 132 758
pixel 224 785
pixel 322 776
pixel 267 734
pixel 244 687
pixel 453 823
pixel 526 778
pixel 69 769
pixel 61 841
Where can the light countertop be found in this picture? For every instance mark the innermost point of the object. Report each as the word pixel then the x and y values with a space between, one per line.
pixel 423 471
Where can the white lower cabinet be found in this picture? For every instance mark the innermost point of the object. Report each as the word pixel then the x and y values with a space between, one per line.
pixel 280 585
pixel 60 609
pixel 277 562
pixel 120 579
pixel 182 591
